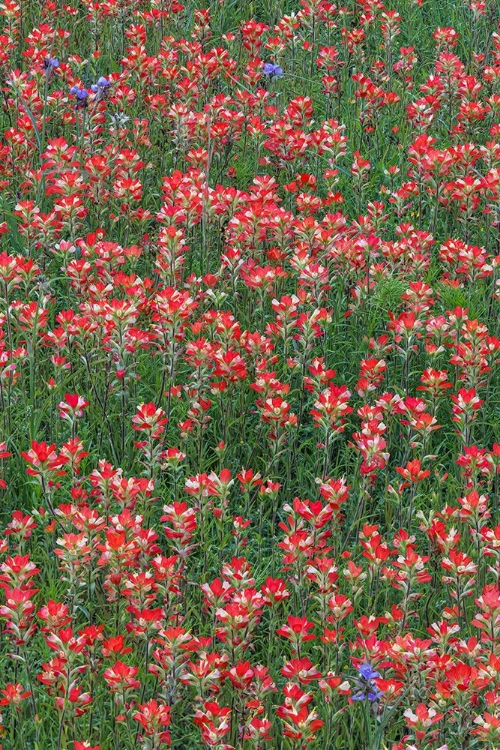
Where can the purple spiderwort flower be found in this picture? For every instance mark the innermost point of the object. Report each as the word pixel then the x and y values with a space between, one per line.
pixel 101 88
pixel 272 70
pixel 102 83
pixel 49 65
pixel 81 96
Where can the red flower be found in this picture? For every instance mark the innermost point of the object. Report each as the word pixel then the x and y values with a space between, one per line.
pixel 13 695
pixel 121 677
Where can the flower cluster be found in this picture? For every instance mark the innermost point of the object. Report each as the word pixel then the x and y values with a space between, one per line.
pixel 249 375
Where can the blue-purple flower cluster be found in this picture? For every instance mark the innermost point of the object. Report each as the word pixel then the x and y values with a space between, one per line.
pixel 366 687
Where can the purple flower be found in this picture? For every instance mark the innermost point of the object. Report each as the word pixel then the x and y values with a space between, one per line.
pixel 373 695
pixel 102 84
pixel 365 687
pixel 367 671
pixel 272 70
pixel 81 96
pixel 101 88
pixel 49 66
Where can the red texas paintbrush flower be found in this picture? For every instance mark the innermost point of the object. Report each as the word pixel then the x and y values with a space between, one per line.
pixel 249 375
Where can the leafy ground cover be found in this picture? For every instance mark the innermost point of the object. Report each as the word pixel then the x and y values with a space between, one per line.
pixel 249 393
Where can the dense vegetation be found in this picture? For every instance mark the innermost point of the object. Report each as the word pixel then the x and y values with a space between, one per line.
pixel 249 392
